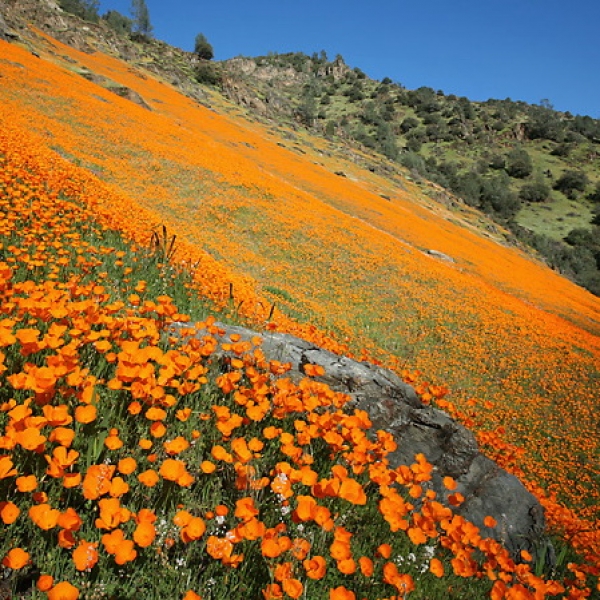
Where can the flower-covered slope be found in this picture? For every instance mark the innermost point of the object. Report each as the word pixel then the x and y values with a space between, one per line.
pixel 273 233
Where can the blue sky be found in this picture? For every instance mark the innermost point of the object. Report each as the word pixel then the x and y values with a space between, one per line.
pixel 520 49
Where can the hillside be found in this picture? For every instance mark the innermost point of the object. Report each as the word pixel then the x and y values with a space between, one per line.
pixel 309 235
pixel 527 166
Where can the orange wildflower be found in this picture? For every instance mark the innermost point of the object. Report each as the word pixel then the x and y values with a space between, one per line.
pixel 9 512
pixel 341 593
pixel 436 567
pixel 126 466
pixel 149 478
pixel 44 516
pixel 315 567
pixel 85 556
pixel 44 583
pixel 96 482
pixel 63 591
pixel 16 559
pixel 85 414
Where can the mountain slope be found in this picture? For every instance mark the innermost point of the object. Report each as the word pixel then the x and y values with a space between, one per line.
pixel 289 222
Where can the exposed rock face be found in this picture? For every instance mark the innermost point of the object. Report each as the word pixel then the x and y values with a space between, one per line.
pixel 395 407
pixel 4 31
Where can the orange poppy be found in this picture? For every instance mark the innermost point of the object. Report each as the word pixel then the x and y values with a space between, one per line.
pixel 126 466
pixel 63 591
pixel 9 512
pixel 85 414
pixel 44 516
pixel 16 559
pixel 149 478
pixel 44 583
pixel 315 567
pixel 341 593
pixel 436 567
pixel 85 556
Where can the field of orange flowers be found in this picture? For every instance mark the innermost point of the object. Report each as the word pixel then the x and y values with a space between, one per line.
pixel 257 226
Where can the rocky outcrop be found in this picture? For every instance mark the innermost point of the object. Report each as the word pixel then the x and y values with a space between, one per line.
pixel 395 407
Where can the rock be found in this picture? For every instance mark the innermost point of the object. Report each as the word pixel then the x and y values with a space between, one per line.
pixel 129 94
pixel 394 406
pixel 5 32
pixel 440 255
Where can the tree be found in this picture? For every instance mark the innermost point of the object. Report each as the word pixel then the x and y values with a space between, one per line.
pixel 594 195
pixel 118 22
pixel 203 48
pixel 536 191
pixel 518 163
pixel 570 182
pixel 86 9
pixel 141 17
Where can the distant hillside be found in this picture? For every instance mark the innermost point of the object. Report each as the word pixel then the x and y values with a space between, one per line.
pixel 528 166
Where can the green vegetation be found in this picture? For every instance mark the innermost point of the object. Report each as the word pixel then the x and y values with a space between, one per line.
pixel 86 9
pixel 141 17
pixel 120 23
pixel 203 48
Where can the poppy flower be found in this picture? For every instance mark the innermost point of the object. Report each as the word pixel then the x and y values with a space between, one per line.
pixel 126 466
pixel 144 534
pixel 63 591
pixel 9 512
pixel 85 556
pixel 436 567
pixel 315 567
pixel 16 559
pixel 44 516
pixel 489 521
pixel 85 414
pixel 341 593
pixel 44 583
pixel 149 478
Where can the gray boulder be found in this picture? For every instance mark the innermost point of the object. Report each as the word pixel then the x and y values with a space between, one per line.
pixel 394 406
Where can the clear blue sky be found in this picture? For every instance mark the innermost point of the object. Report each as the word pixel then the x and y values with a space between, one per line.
pixel 520 49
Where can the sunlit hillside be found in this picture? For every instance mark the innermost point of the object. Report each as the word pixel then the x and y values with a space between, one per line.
pixel 283 229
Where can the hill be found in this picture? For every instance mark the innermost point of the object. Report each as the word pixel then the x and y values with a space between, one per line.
pixel 317 238
pixel 529 167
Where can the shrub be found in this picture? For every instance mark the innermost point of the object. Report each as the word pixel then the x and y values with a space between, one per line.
pixel 203 48
pixel 536 191
pixel 208 73
pixel 571 182
pixel 518 163
pixel 85 9
pixel 118 22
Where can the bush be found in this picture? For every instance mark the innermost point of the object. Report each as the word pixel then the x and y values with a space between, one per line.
pixel 518 163
pixel 208 73
pixel 571 182
pixel 594 195
pixel 203 48
pixel 85 9
pixel 118 22
pixel 536 191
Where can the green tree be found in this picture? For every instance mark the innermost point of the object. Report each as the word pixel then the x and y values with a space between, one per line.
pixel 118 22
pixel 536 191
pixel 203 48
pixel 594 195
pixel 141 17
pixel 571 182
pixel 518 163
pixel 85 9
